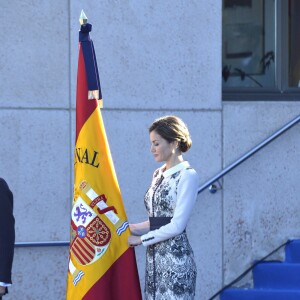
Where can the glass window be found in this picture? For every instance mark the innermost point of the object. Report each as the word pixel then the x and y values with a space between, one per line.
pixel 294 43
pixel 248 43
pixel 261 49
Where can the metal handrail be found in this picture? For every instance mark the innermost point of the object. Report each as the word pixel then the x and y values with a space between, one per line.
pixel 42 244
pixel 249 154
pixel 201 188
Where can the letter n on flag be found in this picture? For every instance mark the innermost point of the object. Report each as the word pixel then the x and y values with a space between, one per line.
pixel 101 265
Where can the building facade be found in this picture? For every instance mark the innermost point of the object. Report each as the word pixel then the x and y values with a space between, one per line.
pixel 155 58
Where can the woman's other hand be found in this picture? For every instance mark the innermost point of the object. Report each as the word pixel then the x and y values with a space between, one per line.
pixel 139 228
pixel 134 229
pixel 134 240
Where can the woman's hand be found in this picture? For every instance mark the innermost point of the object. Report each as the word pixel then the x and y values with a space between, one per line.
pixel 134 240
pixel 134 229
pixel 139 228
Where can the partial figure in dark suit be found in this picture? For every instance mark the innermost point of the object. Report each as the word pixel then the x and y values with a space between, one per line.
pixel 7 236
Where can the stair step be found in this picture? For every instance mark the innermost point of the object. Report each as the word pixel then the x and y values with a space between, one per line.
pixel 277 275
pixel 258 294
pixel 292 252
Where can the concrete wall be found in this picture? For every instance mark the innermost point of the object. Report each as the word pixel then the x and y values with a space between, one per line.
pixel 261 197
pixel 154 59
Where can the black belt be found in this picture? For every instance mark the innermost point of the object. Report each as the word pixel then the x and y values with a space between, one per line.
pixel 157 222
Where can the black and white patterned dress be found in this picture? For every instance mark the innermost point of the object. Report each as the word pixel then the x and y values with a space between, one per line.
pixel 170 267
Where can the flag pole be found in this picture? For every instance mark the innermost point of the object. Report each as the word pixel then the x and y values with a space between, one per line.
pixel 101 264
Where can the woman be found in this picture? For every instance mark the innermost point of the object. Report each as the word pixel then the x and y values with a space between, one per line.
pixel 170 267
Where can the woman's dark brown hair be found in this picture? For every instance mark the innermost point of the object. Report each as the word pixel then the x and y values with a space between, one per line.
pixel 172 128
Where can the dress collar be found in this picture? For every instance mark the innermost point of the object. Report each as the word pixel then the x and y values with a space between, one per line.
pixel 175 169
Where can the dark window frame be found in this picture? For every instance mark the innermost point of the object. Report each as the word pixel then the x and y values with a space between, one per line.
pixel 282 91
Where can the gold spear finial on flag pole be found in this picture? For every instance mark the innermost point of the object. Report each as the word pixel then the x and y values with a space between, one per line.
pixel 83 18
pixel 94 91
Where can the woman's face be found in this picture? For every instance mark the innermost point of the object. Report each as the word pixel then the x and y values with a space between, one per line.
pixel 161 149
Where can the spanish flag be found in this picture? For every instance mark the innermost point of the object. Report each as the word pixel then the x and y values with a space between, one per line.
pixel 101 265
